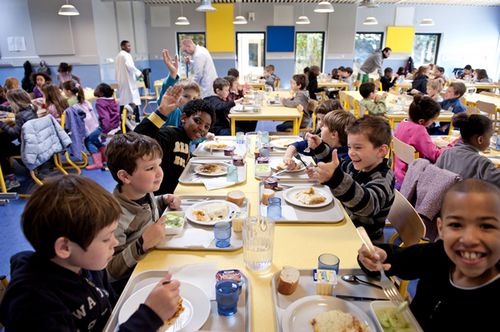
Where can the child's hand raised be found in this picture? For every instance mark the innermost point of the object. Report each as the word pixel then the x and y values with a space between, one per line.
pixel 172 201
pixel 164 298
pixel 172 65
pixel 324 171
pixel 373 261
pixel 170 100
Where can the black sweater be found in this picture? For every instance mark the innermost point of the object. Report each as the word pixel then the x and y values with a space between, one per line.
pixel 312 86
pixel 44 296
pixel 439 305
pixel 222 109
pixel 22 117
pixel 175 144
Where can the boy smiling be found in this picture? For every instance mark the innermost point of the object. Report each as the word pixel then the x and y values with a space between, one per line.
pixel 365 184
pixel 459 275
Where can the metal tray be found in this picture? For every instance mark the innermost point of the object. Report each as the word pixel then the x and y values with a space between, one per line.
pixel 188 200
pixel 241 321
pixel 330 214
pixel 281 152
pixel 239 108
pixel 189 177
pixel 200 151
pixel 294 176
pixel 307 287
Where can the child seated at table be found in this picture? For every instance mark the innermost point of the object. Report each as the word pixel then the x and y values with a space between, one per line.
pixel 196 119
pixel 434 88
pixel 107 107
pixel 374 103
pixel 40 79
pixel 134 162
pixel 464 158
pixel 233 88
pixel 301 97
pixel 270 76
pixel 332 136
pixel 451 103
pixel 55 103
pixel 388 80
pixel 423 112
pixel 24 110
pixel 222 106
pixel 365 183
pixel 459 274
pixel 62 285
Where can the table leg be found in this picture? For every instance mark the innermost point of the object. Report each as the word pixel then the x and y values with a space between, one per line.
pixel 392 123
pixel 3 187
pixel 296 126
pixel 233 127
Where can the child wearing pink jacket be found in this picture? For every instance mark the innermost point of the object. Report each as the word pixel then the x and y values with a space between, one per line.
pixel 423 112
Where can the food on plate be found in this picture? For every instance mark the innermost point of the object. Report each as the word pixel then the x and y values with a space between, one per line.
pixel 284 143
pixel 173 222
pixel 211 169
pixel 310 197
pixel 178 312
pixel 216 145
pixel 295 167
pixel 266 194
pixel 336 320
pixel 392 320
pixel 325 281
pixel 236 196
pixel 288 280
pixel 211 212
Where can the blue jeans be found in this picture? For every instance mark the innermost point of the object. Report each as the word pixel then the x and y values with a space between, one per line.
pixel 92 141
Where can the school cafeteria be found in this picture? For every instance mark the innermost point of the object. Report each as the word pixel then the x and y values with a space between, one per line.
pixel 249 165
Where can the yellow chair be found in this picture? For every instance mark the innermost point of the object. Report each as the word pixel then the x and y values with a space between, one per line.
pixel 311 108
pixel 157 85
pixel 405 152
pixel 409 226
pixel 344 100
pixel 115 88
pixel 69 163
pixel 277 83
pixel 491 112
pixel 321 96
pixel 3 186
pixel 145 97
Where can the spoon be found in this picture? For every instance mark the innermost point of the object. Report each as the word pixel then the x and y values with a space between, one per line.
pixel 354 279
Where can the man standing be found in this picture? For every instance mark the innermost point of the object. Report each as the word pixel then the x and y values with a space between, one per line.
pixel 126 74
pixel 372 63
pixel 203 66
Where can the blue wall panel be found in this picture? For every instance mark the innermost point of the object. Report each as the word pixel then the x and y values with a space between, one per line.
pixel 280 38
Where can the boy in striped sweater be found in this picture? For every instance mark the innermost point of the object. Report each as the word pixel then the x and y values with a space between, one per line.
pixel 365 184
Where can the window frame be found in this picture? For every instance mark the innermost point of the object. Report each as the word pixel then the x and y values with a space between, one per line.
pixel 236 42
pixel 382 41
pixel 437 46
pixel 322 64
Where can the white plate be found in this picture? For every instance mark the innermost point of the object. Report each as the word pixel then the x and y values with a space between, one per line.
pixel 282 143
pixel 289 196
pixel 232 209
pixel 195 301
pixel 223 172
pixel 297 316
pixel 206 145
pixel 300 167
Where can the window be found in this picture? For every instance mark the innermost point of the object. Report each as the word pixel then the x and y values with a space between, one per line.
pixel 198 38
pixel 250 53
pixel 365 43
pixel 309 50
pixel 425 48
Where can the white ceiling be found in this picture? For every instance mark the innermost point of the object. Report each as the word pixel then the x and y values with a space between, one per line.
pixel 389 2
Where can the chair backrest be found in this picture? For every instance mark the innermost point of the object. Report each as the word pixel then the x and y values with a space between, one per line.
pixel 312 105
pixel 300 108
pixel 277 83
pixel 405 152
pixel 343 100
pixel 406 220
pixel 472 110
pixel 491 110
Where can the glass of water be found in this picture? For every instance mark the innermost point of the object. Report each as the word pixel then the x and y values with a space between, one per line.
pixel 258 239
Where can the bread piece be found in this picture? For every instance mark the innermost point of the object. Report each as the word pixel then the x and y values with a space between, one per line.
pixel 236 196
pixel 266 194
pixel 288 280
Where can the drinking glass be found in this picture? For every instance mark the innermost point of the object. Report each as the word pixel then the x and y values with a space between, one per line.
pixel 328 262
pixel 258 238
pixel 232 173
pixel 240 137
pixel 274 208
pixel 222 234
pixel 226 295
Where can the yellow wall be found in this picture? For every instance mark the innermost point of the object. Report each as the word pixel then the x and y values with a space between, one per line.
pixel 220 29
pixel 400 39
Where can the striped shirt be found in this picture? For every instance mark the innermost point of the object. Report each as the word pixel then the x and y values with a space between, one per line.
pixel 367 196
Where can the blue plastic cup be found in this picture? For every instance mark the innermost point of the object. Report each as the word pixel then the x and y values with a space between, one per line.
pixel 222 234
pixel 226 295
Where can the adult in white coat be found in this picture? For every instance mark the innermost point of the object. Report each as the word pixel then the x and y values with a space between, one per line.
pixel 203 66
pixel 126 76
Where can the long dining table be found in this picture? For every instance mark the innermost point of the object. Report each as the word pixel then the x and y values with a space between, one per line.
pixel 297 245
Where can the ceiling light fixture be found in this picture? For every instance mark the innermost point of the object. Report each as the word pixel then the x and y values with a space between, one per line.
pixel 303 19
pixel 370 20
pixel 324 7
pixel 206 6
pixel 368 4
pixel 427 22
pixel 182 20
pixel 68 10
pixel 239 19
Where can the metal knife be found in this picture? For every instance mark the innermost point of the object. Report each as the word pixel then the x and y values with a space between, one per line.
pixel 359 298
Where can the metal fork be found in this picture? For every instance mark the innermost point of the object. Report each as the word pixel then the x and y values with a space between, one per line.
pixel 387 285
